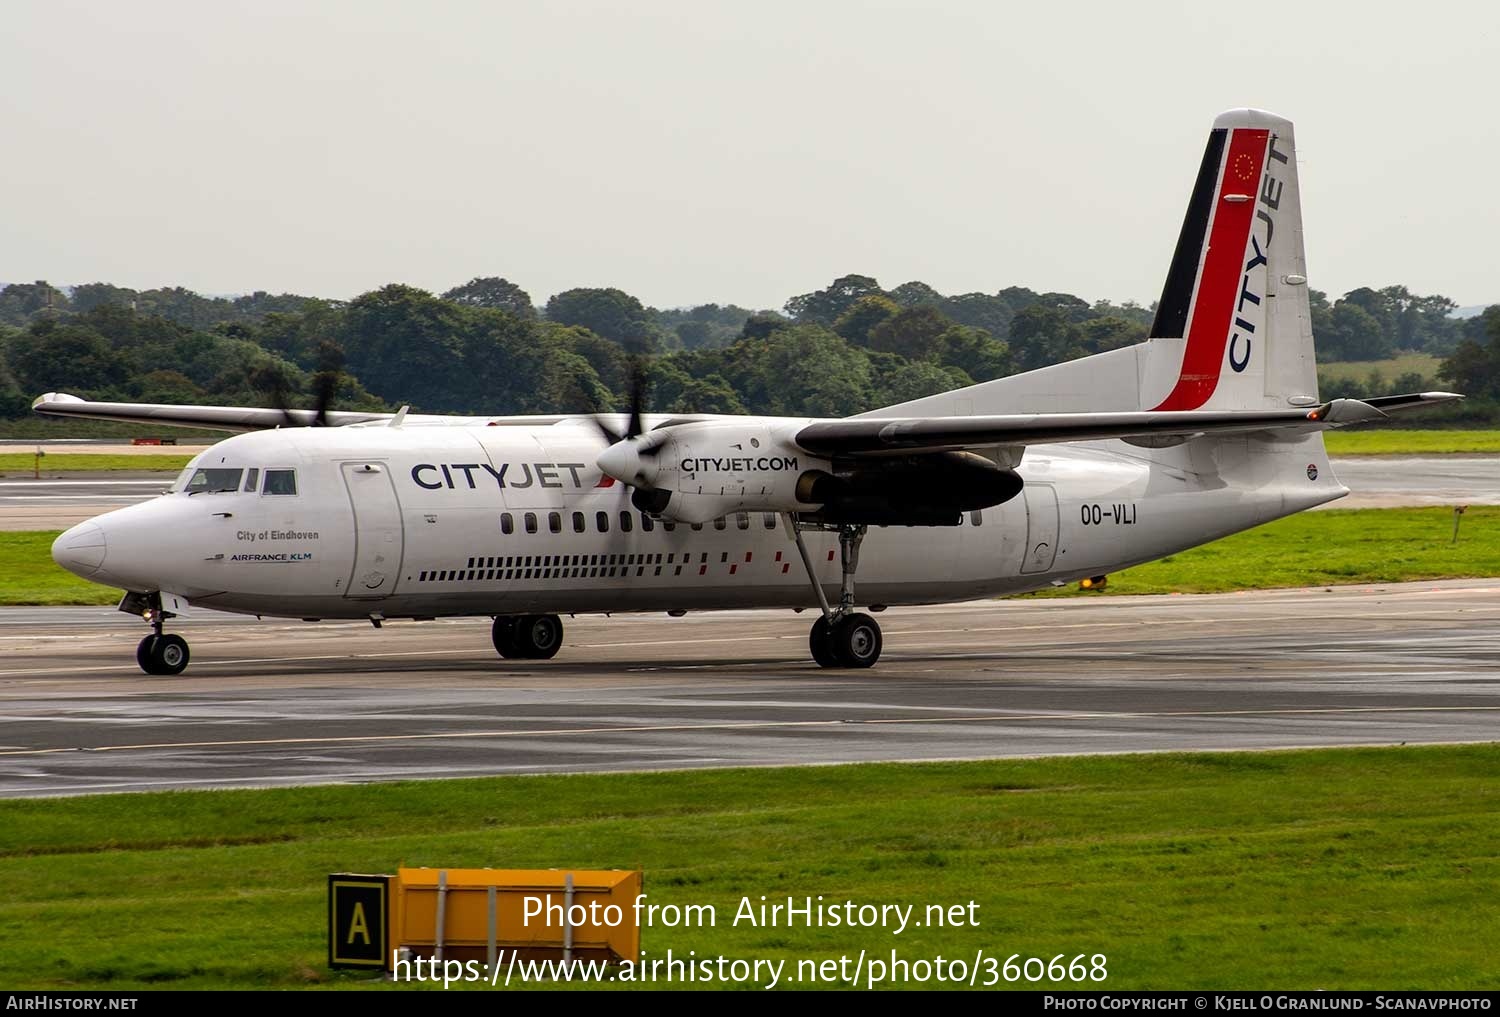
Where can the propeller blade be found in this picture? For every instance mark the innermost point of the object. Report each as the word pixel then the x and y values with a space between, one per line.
pixel 326 382
pixel 638 389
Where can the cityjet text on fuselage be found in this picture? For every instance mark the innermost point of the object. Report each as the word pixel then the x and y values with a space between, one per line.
pixel 739 464
pixel 470 476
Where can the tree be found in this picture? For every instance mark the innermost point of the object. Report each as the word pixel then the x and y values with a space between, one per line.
pixel 92 295
pixel 404 345
pixel 1109 332
pixel 611 313
pixel 694 333
pixel 980 310
pixel 913 333
pixel 761 324
pixel 50 357
pixel 824 306
pixel 915 294
pixel 608 359
pixel 1474 366
pixel 864 316
pixel 494 292
pixel 20 302
pixel 921 378
pixel 706 395
pixel 1349 332
pixel 975 352
pixel 1041 335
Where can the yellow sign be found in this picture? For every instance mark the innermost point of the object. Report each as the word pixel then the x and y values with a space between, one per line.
pixel 358 921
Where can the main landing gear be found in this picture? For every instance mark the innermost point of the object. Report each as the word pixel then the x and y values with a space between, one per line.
pixel 528 636
pixel 160 653
pixel 842 637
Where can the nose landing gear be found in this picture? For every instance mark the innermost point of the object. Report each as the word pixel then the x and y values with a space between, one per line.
pixel 842 637
pixel 160 653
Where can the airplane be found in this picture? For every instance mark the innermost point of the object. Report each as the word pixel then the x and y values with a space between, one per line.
pixel 1212 426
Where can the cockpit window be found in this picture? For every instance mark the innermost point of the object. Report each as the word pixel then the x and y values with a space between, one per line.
pixel 252 477
pixel 213 480
pixel 180 484
pixel 280 482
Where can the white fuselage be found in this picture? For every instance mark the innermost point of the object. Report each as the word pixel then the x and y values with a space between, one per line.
pixel 441 521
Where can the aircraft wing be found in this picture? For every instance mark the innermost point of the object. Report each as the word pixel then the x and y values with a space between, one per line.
pixel 875 435
pixel 243 418
pixel 216 418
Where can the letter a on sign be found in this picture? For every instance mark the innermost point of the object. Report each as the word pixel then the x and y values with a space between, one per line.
pixel 358 921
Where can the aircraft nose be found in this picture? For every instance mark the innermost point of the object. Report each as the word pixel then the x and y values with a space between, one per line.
pixel 80 550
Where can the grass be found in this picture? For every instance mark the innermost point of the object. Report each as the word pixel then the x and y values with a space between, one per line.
pixel 61 462
pixel 1334 869
pixel 1424 364
pixel 1386 443
pixel 28 575
pixel 1325 548
pixel 1311 549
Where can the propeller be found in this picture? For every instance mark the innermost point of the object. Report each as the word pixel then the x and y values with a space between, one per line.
pixel 325 385
pixel 630 458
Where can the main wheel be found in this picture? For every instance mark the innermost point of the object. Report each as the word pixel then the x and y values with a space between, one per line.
pixel 820 641
pixel 857 641
pixel 162 655
pixel 503 633
pixel 538 636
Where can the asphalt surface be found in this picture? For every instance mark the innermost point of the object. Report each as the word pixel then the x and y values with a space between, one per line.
pixel 1400 481
pixel 1376 482
pixel 277 703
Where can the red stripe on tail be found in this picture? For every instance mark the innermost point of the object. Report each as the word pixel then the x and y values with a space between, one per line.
pixel 1223 267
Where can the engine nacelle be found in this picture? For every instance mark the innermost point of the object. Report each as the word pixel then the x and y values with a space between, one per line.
pixel 922 490
pixel 710 469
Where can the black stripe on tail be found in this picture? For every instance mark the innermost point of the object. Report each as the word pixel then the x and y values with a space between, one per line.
pixel 1177 295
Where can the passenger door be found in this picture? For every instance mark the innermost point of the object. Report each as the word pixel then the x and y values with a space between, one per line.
pixel 378 542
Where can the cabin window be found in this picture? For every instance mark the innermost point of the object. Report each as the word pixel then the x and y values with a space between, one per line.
pixel 530 520
pixel 697 526
pixel 280 482
pixel 668 526
pixel 721 523
pixel 580 524
pixel 252 478
pixel 625 521
pixel 742 520
pixel 213 481
pixel 554 522
pixel 770 520
pixel 507 524
pixel 647 524
pixel 601 521
pixel 975 518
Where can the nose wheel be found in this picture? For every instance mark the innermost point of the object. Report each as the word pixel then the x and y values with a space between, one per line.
pixel 162 654
pixel 159 653
pixel 842 637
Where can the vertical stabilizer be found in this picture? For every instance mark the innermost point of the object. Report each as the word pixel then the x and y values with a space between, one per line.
pixel 1232 328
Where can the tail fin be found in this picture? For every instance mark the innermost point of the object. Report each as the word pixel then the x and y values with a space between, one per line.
pixel 1233 328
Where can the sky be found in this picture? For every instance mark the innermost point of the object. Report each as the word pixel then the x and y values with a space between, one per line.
pixel 731 152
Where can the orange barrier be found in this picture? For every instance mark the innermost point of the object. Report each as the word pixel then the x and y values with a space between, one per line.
pixel 482 914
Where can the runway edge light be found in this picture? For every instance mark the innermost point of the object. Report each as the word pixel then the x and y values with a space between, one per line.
pixel 359 921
